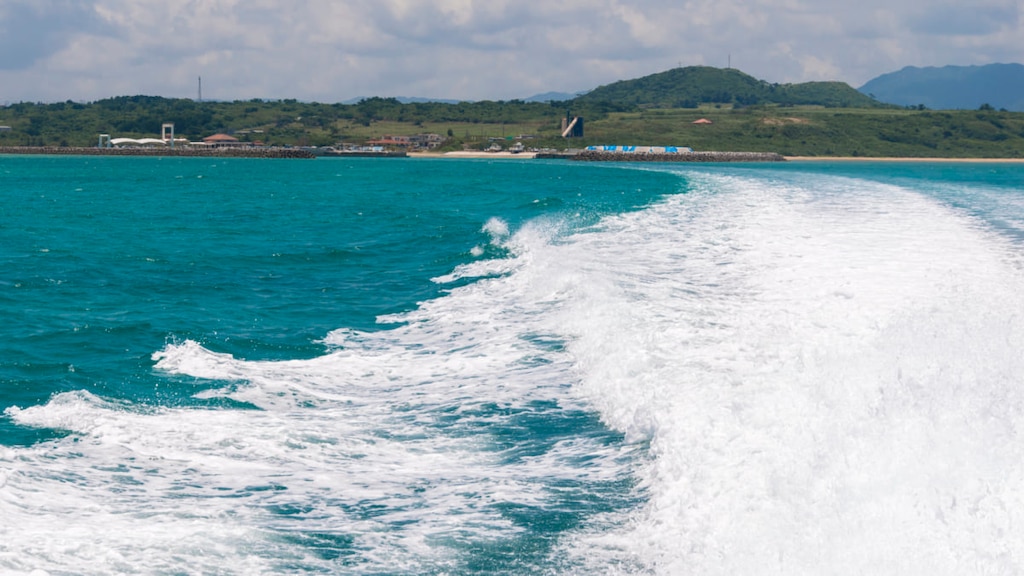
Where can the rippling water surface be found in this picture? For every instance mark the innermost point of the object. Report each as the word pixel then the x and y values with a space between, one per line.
pixel 457 367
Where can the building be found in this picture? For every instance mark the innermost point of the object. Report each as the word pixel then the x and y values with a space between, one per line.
pixel 391 141
pixel 222 140
pixel 137 142
pixel 429 141
pixel 415 141
pixel 167 138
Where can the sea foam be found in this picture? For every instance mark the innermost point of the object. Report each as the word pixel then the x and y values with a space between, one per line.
pixel 827 371
pixel 768 374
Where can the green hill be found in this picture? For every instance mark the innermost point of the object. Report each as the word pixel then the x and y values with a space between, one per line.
pixel 694 85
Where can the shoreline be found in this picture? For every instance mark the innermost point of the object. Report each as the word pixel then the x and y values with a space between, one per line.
pixel 704 156
pixel 182 152
pixel 271 152
pixel 909 159
pixel 475 154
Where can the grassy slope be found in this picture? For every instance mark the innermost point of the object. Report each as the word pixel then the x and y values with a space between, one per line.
pixel 817 131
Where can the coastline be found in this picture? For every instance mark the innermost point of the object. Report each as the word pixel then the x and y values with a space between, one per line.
pixel 530 155
pixel 602 156
pixel 183 152
pixel 482 155
pixel 902 159
pixel 475 154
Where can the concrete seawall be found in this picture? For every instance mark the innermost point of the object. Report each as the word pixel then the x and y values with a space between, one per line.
pixel 596 156
pixel 226 152
pixel 360 154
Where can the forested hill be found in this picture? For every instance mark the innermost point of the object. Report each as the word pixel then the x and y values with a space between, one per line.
pixel 270 121
pixel 694 85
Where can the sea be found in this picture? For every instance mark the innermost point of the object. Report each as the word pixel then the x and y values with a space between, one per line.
pixel 449 367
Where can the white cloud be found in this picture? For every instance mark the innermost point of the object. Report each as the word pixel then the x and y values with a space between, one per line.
pixel 332 50
pixel 975 19
pixel 31 31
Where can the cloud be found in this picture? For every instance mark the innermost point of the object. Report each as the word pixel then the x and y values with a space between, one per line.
pixel 333 50
pixel 965 20
pixel 31 31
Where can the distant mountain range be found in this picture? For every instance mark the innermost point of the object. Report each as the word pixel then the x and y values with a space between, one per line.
pixel 952 87
pixel 550 97
pixel 545 97
pixel 404 100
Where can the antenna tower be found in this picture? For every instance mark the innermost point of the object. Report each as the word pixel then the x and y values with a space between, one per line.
pixel 200 89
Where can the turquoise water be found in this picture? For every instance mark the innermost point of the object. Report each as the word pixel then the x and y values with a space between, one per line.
pixel 381 366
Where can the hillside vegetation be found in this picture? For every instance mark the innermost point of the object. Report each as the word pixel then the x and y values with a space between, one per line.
pixel 819 131
pixel 282 122
pixel 691 86
pixel 812 119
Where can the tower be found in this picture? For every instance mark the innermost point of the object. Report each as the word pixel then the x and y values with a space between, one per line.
pixel 572 126
pixel 167 133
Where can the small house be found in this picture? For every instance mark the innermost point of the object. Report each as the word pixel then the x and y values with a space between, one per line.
pixel 221 140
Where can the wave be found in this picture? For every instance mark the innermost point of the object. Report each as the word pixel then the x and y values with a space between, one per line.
pixel 827 371
pixel 402 450
pixel 769 373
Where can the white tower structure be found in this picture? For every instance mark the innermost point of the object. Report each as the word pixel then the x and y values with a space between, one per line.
pixel 167 133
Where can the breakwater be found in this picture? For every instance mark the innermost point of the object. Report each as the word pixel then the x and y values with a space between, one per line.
pixel 362 154
pixel 225 152
pixel 601 156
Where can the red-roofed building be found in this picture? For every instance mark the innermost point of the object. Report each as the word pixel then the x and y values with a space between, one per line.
pixel 221 140
pixel 394 141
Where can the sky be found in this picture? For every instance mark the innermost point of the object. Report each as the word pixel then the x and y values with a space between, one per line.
pixel 336 50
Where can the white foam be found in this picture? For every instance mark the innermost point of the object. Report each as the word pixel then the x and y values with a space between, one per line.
pixel 829 377
pixel 385 440
pixel 204 484
pixel 826 373
pixel 497 229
